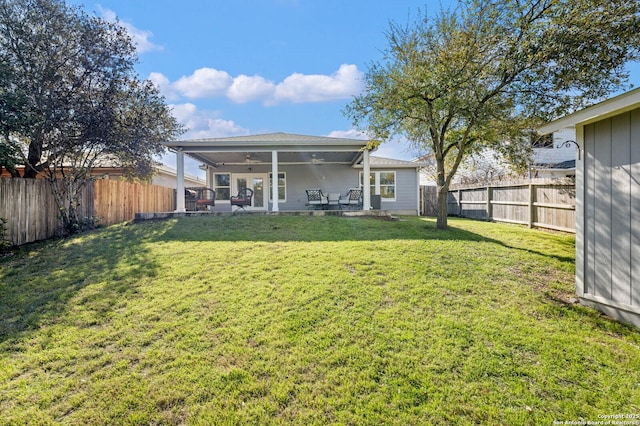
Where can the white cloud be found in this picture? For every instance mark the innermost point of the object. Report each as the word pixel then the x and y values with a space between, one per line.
pixel 205 124
pixel 399 148
pixel 301 88
pixel 296 88
pixel 348 134
pixel 164 85
pixel 139 37
pixel 246 89
pixel 182 112
pixel 204 83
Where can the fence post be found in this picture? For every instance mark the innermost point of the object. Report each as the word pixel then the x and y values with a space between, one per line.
pixel 489 209
pixel 459 203
pixel 531 206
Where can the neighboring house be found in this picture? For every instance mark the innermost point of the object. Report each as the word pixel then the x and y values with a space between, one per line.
pixel 479 168
pixel 608 204
pixel 554 156
pixel 295 163
pixel 165 176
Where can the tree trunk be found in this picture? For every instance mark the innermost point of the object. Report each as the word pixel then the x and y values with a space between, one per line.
pixel 443 199
pixel 33 159
pixel 442 187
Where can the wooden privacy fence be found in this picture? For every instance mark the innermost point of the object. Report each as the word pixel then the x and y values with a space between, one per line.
pixel 428 201
pixel 117 201
pixel 32 214
pixel 30 209
pixel 543 203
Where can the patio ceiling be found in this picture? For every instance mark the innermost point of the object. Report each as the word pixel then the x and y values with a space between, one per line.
pixel 257 149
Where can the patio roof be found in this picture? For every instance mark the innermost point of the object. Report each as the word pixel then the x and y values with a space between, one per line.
pixel 275 149
pixel 256 149
pixel 382 162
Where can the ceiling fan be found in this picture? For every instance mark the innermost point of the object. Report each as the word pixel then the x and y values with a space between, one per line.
pixel 250 160
pixel 315 160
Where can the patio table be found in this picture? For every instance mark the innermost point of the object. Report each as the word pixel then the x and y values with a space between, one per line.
pixel 333 200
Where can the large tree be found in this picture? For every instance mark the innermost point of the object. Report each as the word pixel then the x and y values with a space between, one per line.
pixel 69 82
pixel 484 74
pixel 13 119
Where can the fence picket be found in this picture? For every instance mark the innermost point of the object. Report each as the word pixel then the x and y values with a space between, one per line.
pixel 542 203
pixel 32 214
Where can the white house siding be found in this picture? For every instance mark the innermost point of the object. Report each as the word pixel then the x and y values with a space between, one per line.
pixel 610 270
pixel 169 180
pixel 166 176
pixel 560 151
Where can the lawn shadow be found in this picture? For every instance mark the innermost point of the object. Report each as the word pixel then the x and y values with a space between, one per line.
pixel 511 246
pixel 262 228
pixel 38 281
pixel 117 257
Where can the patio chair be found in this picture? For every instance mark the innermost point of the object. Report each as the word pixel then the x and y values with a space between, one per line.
pixel 353 199
pixel 243 199
pixel 190 197
pixel 199 198
pixel 316 199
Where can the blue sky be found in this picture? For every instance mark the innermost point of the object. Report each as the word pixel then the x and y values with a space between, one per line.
pixel 239 67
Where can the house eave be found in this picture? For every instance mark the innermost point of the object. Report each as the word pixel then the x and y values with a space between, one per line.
pixel 390 166
pixel 300 149
pixel 268 142
pixel 616 105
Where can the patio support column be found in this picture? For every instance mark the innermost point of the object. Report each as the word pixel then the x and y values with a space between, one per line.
pixel 274 181
pixel 366 193
pixel 418 205
pixel 180 184
pixel 208 177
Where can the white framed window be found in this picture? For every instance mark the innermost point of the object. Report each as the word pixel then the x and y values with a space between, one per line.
pixel 282 187
pixel 542 141
pixel 222 186
pixel 382 183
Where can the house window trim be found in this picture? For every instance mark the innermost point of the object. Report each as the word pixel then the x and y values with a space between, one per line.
pixel 376 189
pixel 215 187
pixel 270 179
pixel 542 141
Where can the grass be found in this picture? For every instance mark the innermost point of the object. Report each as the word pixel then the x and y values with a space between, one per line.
pixel 307 320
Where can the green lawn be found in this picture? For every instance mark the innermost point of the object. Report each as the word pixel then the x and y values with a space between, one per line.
pixel 307 320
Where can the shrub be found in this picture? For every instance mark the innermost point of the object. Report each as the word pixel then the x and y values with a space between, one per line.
pixel 5 244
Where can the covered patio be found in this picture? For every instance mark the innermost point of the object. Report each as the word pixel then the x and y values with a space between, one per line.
pixel 261 161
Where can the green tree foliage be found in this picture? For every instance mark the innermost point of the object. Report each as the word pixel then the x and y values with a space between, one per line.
pixel 13 118
pixel 68 79
pixel 487 72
